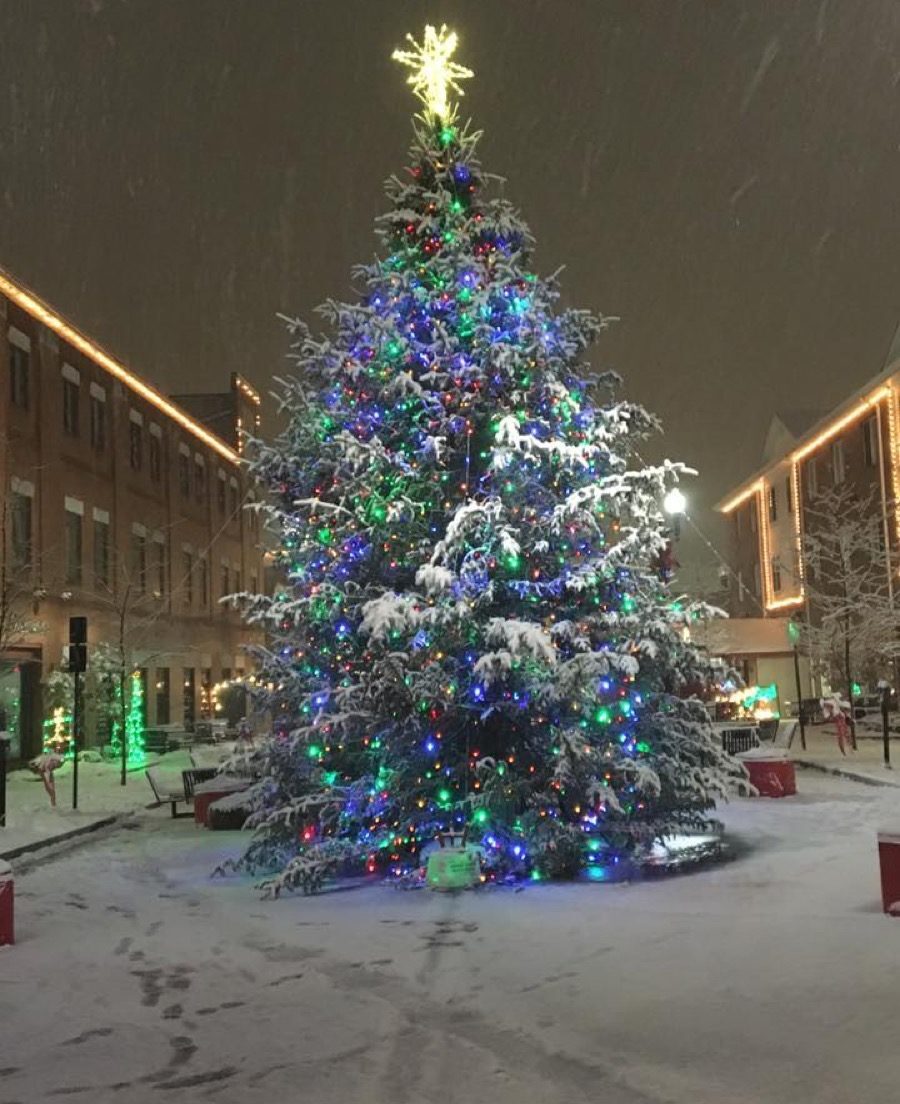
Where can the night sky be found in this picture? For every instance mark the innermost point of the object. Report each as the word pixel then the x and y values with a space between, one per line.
pixel 724 176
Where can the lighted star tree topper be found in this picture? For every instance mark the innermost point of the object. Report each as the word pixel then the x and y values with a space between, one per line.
pixel 434 72
pixel 473 633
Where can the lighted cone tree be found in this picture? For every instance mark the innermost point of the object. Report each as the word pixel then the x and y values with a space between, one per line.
pixel 474 630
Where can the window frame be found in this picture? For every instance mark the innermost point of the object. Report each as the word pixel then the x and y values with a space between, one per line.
pixel 870 441
pixel 19 356
pixel 71 407
pixel 98 423
pixel 74 542
pixel 100 564
pixel 138 558
pixel 21 550
pixel 838 461
pixel 135 445
pixel 154 456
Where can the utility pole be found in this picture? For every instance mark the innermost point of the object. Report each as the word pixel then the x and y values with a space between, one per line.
pixel 794 634
pixel 77 665
pixel 885 689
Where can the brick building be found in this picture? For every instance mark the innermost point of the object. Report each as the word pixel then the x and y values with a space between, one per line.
pixel 857 444
pixel 122 505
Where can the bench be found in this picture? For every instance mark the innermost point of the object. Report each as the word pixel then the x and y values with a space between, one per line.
pixel 159 739
pixel 737 737
pixel 169 787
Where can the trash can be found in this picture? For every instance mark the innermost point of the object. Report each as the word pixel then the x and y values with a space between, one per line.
pixel 7 934
pixel 771 772
pixel 889 861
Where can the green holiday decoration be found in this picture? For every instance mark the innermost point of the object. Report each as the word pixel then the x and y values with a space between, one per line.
pixel 134 721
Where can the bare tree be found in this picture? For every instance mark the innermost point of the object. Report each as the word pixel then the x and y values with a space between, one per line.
pixel 852 627
pixel 18 595
pixel 135 611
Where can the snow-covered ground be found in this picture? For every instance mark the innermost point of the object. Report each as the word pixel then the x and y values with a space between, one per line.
pixel 867 761
pixel 774 979
pixel 30 818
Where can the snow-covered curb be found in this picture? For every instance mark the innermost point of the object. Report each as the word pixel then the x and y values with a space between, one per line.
pixel 62 837
pixel 844 772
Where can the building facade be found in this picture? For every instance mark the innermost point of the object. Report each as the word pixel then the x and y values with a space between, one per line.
pixel 122 506
pixel 856 444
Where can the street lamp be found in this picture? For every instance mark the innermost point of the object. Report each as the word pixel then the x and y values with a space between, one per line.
pixel 675 505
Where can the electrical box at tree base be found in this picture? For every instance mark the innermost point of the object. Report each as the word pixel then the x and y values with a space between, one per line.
pixel 453 868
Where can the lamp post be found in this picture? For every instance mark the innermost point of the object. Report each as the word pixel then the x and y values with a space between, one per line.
pixel 675 505
pixel 794 636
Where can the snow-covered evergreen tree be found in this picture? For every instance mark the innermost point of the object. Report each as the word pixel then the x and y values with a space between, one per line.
pixel 473 630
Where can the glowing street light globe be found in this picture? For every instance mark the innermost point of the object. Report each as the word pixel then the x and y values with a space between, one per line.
pixel 675 503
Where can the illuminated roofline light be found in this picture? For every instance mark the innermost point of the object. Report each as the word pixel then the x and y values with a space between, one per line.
pixel 798 532
pixel 894 454
pixel 741 497
pixel 782 603
pixel 39 310
pixel 866 404
pixel 849 418
pixel 765 549
pixel 251 392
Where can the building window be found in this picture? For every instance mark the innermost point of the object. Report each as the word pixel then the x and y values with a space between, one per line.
pixel 838 466
pixel 235 586
pixel 204 582
pixel 19 372
pixel 155 456
pixel 187 568
pixel 753 515
pixel 235 501
pixel 222 493
pixel 812 482
pixel 788 495
pixel 20 526
pixel 98 423
pixel 870 441
pixel 135 444
pixel 254 585
pixel 101 549
pixel 199 478
pixel 74 512
pixel 184 473
pixel 225 587
pixel 776 575
pixel 756 579
pixel 188 715
pixel 206 692
pixel 139 560
pixel 71 395
pixel 162 695
pixel 740 587
pixel 773 504
pixel 159 555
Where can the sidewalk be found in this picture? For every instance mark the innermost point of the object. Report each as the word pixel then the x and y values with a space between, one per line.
pixel 32 822
pixel 866 764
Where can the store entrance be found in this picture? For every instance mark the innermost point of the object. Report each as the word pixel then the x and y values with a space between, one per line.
pixel 20 714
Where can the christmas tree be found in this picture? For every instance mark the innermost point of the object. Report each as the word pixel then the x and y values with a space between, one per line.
pixel 474 631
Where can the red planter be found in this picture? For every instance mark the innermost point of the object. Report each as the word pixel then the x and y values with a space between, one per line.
pixel 772 777
pixel 889 860
pixel 7 893
pixel 202 802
